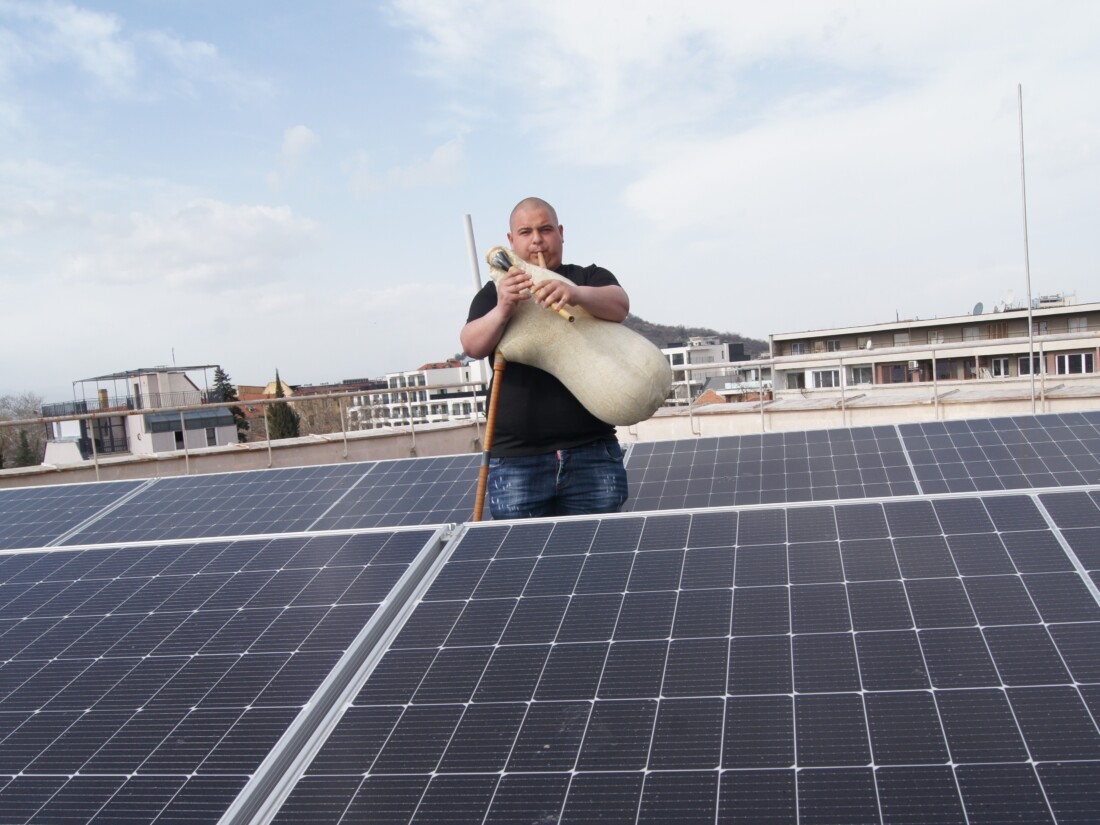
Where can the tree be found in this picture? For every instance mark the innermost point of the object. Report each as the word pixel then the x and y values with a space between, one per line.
pixel 17 408
pixel 26 456
pixel 282 421
pixel 225 391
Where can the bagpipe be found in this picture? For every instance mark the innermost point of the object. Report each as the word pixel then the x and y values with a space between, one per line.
pixel 616 374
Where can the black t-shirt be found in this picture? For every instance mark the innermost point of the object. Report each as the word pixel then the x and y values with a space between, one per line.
pixel 536 414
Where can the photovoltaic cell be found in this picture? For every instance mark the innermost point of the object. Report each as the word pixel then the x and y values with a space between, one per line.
pixel 769 468
pixel 36 516
pixel 146 682
pixel 1022 452
pixel 226 504
pixel 835 675
pixel 408 492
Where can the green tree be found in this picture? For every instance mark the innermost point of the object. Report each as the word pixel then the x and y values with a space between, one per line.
pixel 26 455
pixel 225 391
pixel 282 421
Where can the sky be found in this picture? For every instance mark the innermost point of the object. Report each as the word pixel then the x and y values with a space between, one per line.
pixel 266 184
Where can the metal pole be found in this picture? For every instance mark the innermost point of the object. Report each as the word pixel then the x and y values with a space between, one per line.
pixel 95 454
pixel 183 438
pixel 1027 261
pixel 475 267
pixel 1042 377
pixel 843 383
pixel 343 428
pixel 935 387
pixel 267 435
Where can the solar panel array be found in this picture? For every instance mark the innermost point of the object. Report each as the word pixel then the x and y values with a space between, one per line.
pixel 34 516
pixel 149 683
pixel 973 455
pixel 925 654
pixel 916 661
pixel 1024 452
pixel 772 468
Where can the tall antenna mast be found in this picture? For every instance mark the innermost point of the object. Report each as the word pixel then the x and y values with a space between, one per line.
pixel 1027 262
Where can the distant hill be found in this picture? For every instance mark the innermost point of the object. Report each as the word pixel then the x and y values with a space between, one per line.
pixel 662 335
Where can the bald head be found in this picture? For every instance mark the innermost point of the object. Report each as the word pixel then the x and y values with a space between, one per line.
pixel 530 204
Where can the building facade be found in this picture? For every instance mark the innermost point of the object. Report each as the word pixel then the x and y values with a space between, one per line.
pixel 136 425
pixel 450 390
pixel 992 347
pixel 687 384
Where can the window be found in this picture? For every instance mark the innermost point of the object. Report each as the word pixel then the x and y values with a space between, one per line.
pixel 1073 363
pixel 826 378
pixel 999 367
pixel 179 439
pixel 1026 370
pixel 894 374
pixel 945 370
pixel 211 437
pixel 677 359
pixel 972 333
pixel 936 336
pixel 798 348
pixel 1078 324
pixel 832 345
pixel 1040 327
pixel 861 374
pixel 796 380
pixel 901 339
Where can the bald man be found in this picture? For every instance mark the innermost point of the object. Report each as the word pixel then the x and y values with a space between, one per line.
pixel 550 456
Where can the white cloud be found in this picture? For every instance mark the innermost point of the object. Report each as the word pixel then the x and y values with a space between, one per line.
pixel 297 140
pixel 119 61
pixel 205 244
pixel 445 166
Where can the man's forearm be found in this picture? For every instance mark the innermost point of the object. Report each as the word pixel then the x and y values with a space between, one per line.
pixel 480 336
pixel 611 303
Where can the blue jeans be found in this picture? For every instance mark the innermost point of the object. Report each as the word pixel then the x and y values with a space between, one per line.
pixel 580 481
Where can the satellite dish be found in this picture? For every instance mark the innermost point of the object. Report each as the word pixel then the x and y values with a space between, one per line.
pixel 1009 299
pixel 978 308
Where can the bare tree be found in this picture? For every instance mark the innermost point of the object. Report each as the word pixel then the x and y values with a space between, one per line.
pixel 317 416
pixel 16 449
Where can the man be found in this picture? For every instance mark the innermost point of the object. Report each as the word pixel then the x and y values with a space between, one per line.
pixel 550 456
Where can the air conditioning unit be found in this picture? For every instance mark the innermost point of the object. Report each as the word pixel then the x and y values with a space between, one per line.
pixel 914 364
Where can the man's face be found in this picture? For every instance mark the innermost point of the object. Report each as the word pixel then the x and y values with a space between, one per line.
pixel 536 230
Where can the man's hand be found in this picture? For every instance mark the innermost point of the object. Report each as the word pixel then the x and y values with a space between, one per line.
pixel 511 290
pixel 554 294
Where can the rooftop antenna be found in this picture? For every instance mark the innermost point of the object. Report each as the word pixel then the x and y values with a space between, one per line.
pixel 1027 262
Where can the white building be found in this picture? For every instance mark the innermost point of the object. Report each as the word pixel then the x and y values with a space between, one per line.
pixel 450 390
pixel 687 384
pixel 136 425
pixel 992 347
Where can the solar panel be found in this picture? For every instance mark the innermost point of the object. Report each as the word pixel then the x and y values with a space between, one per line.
pixel 225 504
pixel 36 516
pixel 816 465
pixel 407 492
pixel 146 682
pixel 1060 450
pixel 914 660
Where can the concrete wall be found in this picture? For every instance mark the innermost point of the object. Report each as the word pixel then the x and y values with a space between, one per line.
pixel 373 445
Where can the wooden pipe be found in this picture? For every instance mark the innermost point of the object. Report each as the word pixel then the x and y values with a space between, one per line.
pixel 490 424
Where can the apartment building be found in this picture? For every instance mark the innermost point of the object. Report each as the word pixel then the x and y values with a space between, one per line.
pixel 688 384
pixel 993 346
pixel 450 390
pixel 135 426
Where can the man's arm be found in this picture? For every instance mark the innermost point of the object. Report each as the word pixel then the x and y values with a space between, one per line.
pixel 481 335
pixel 611 303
